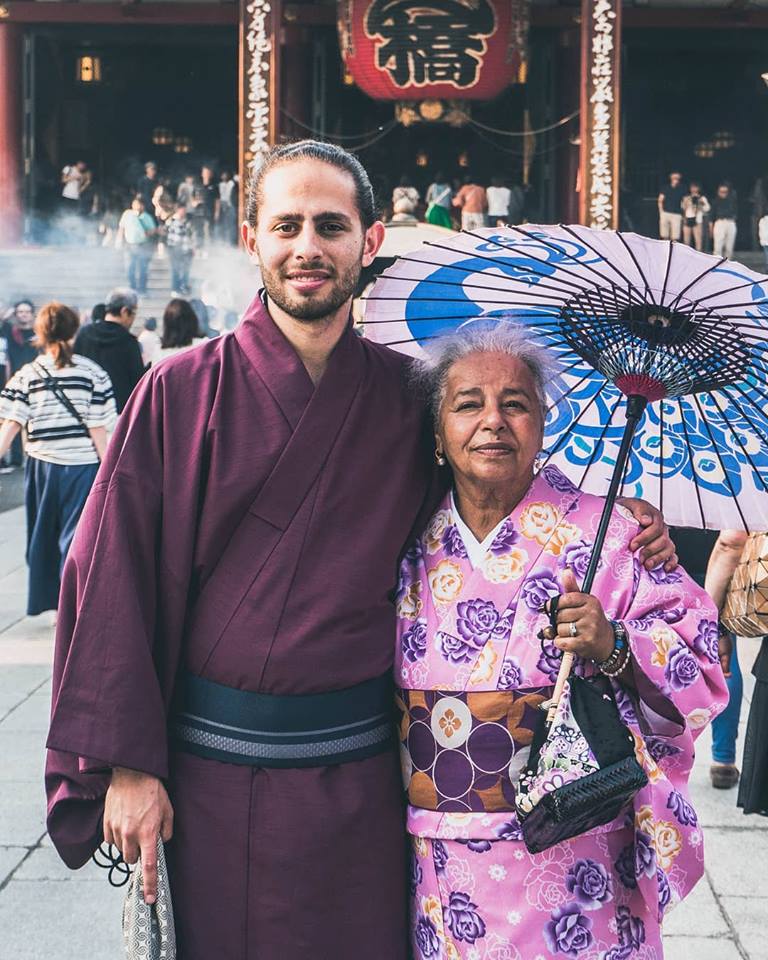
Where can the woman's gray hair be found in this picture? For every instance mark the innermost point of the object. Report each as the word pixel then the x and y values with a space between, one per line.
pixel 484 335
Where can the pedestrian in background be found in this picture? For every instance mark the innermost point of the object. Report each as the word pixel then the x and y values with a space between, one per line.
pixel 181 330
pixel 149 341
pixel 405 199
pixel 723 221
pixel 438 200
pixel 148 184
pixel 18 330
pixel 111 344
pixel 66 405
pixel 498 196
pixel 136 231
pixel 695 207
pixel 228 199
pixel 209 207
pixel 179 238
pixel 473 203
pixel 670 202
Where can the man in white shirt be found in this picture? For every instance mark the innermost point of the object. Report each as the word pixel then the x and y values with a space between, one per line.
pixel 498 202
pixel 75 180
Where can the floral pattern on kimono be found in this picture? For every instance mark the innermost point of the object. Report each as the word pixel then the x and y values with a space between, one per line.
pixel 476 891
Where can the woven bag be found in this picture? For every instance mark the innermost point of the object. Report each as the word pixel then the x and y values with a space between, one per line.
pixel 745 611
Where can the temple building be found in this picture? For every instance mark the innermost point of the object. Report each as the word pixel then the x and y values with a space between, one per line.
pixel 586 106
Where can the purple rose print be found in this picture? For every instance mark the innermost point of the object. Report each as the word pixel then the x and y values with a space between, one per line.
pixel 506 538
pixel 645 856
pixel 635 860
pixel 665 893
pixel 510 830
pixel 414 641
pixel 426 937
pixel 576 555
pixel 682 668
pixel 631 929
pixel 549 661
pixel 683 811
pixel 569 931
pixel 476 846
pixel 416 875
pixel 557 480
pixel 538 588
pixel 669 615
pixel 590 883
pixel 661 576
pixel 464 922
pixel 660 749
pixel 637 572
pixel 707 640
pixel 479 620
pixel 453 648
pixel 414 553
pixel 439 855
pixel 617 953
pixel 511 676
pixel 626 706
pixel 452 542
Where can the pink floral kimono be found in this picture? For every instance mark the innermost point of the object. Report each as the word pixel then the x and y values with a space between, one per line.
pixel 472 673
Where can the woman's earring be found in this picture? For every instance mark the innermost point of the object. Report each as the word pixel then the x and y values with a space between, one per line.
pixel 440 458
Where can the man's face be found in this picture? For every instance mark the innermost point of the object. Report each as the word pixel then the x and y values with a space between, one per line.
pixel 24 315
pixel 722 192
pixel 151 172
pixel 674 179
pixel 137 206
pixel 309 240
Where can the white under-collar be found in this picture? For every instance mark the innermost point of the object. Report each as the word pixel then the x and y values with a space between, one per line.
pixel 476 550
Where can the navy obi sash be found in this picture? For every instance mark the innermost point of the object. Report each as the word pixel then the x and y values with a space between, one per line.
pixel 263 730
pixel 463 752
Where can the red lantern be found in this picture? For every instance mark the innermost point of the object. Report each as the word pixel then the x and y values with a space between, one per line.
pixel 433 49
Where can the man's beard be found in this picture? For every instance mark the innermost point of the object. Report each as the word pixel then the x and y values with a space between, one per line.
pixel 311 308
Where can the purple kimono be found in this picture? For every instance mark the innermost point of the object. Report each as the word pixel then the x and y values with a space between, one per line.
pixel 266 863
pixel 473 673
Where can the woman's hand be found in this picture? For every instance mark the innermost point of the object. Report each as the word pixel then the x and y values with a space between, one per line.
pixel 654 538
pixel 594 638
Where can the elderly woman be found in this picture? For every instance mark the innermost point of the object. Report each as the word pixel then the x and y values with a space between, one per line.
pixel 476 657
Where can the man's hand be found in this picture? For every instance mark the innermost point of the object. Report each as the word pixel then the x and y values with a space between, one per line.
pixel 654 538
pixel 137 809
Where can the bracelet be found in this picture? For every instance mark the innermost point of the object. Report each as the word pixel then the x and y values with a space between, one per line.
pixel 617 662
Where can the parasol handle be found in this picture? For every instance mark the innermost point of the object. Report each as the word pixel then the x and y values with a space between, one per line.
pixel 635 408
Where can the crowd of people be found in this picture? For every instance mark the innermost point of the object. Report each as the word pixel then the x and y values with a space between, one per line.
pixel 158 216
pixel 229 605
pixel 687 215
pixel 467 204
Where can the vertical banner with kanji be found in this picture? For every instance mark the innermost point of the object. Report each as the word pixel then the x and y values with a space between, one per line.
pixel 259 83
pixel 600 124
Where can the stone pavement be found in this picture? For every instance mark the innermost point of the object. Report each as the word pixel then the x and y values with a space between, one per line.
pixel 48 912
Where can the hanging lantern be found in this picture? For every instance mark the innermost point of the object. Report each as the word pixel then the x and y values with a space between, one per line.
pixel 463 159
pixel 441 50
pixel 162 137
pixel 88 69
pixel 422 158
pixel 182 145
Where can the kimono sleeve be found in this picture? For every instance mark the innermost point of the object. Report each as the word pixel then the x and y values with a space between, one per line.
pixel 120 620
pixel 672 628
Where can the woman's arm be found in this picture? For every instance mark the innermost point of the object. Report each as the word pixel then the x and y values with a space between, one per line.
pixel 99 437
pixel 8 431
pixel 722 562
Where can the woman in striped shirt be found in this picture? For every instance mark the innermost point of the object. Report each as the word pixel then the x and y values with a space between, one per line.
pixel 66 405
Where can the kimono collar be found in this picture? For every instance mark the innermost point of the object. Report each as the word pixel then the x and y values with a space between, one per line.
pixel 280 367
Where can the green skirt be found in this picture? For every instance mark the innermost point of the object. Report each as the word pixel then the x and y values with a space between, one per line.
pixel 439 216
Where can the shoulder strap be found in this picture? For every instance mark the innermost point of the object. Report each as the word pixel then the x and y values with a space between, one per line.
pixel 61 396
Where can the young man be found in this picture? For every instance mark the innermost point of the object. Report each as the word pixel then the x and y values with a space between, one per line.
pixel 136 230
pixel 670 208
pixel 231 583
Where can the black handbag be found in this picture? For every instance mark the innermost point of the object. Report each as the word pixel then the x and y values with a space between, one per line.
pixel 592 798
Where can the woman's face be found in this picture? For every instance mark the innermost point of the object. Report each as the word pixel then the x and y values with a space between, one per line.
pixel 490 425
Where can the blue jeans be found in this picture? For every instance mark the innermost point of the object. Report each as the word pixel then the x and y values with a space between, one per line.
pixel 725 728
pixel 139 255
